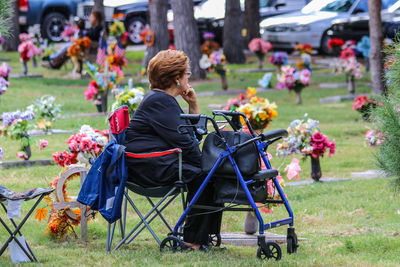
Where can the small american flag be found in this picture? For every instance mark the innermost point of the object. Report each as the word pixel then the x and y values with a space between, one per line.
pixel 119 51
pixel 101 52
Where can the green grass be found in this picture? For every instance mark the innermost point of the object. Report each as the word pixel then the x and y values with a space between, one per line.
pixel 345 224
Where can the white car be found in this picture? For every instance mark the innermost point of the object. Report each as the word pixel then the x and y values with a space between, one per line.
pixel 310 25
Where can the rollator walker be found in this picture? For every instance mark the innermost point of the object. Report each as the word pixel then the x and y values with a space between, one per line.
pixel 245 189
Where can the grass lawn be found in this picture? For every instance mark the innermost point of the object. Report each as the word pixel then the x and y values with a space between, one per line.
pixel 352 223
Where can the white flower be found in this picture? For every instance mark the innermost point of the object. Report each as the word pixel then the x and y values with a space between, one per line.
pixel 81 158
pixel 204 62
pixel 102 140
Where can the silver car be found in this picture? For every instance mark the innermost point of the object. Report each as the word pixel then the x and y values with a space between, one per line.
pixel 310 25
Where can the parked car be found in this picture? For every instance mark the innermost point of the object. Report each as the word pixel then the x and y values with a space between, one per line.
pixel 132 12
pixel 50 14
pixel 311 24
pixel 210 14
pixel 355 27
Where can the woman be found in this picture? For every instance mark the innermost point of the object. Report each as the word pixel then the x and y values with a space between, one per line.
pixel 56 60
pixel 154 128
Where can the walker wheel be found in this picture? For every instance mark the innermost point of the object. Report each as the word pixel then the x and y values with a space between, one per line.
pixel 273 252
pixel 214 240
pixel 171 243
pixel 291 240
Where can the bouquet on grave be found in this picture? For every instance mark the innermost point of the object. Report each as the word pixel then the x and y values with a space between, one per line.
pixel 209 44
pixel 116 55
pixel 348 64
pixel 83 147
pixel 129 97
pixel 27 48
pixel 335 44
pixel 278 58
pixel 68 32
pixel 46 111
pixel 258 110
pixel 364 105
pixel 260 48
pixel 5 70
pixel 101 84
pixel 305 51
pixel 294 80
pixel 374 137
pixel 305 138
pixel 3 85
pixel 79 48
pixel 15 126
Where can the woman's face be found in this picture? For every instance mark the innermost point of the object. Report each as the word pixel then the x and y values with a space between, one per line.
pixel 93 20
pixel 184 81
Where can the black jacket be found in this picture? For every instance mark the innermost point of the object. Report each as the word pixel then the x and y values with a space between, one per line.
pixel 154 128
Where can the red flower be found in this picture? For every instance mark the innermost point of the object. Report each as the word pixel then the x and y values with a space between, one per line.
pixel 319 143
pixel 360 101
pixel 347 53
pixel 337 42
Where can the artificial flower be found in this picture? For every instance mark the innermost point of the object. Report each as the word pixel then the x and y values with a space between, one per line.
pixel 43 144
pixel 293 169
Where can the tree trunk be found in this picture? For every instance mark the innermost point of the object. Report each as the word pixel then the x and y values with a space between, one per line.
pixel 252 19
pixel 11 42
pixel 158 22
pixel 186 34
pixel 233 40
pixel 376 53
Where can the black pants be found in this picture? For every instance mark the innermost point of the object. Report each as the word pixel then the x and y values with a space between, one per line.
pixel 198 227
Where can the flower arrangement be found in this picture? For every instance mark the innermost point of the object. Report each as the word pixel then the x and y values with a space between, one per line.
pixel 3 85
pixel 259 111
pixel 260 47
pixel 349 44
pixel 209 44
pixel 335 44
pixel 102 83
pixel 374 137
pixel 129 97
pixel 294 80
pixel 364 105
pixel 278 59
pixel 215 62
pixel 46 111
pixel 84 147
pixel 59 224
pixel 117 28
pixel 78 48
pixel 116 56
pixel 303 48
pixel 5 70
pixel 235 102
pixel 27 50
pixel 15 126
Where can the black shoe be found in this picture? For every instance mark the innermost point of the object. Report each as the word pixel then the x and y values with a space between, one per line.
pixel 186 247
pixel 204 248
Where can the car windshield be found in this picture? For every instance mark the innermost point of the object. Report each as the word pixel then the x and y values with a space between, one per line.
pixel 328 5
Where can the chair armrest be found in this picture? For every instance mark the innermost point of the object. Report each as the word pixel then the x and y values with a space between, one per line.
pixel 154 154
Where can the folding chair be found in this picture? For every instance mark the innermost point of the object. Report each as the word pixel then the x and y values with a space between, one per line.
pixel 118 122
pixel 5 195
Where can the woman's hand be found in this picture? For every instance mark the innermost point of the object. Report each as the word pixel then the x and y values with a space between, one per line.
pixel 189 95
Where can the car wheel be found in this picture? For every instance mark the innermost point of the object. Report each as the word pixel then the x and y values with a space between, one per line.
pixel 53 26
pixel 135 27
pixel 323 49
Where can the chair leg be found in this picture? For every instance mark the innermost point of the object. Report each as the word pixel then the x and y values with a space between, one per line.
pixel 159 214
pixel 149 221
pixel 20 234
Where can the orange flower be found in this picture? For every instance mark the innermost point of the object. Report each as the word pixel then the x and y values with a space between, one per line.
pixel 41 214
pixel 48 199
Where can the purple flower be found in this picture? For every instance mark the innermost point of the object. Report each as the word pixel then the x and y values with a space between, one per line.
pixel 9 117
pixel 27 115
pixel 4 70
pixel 3 85
pixel 279 58
pixel 208 35
pixel 216 57
pixel 1 153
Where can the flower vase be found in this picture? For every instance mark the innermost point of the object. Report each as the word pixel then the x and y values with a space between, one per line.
pixel 34 62
pixel 251 224
pixel 366 62
pixel 24 68
pixel 299 100
pixel 104 101
pixel 278 69
pixel 351 85
pixel 260 61
pixel 224 81
pixel 315 169
pixel 27 150
pixel 99 108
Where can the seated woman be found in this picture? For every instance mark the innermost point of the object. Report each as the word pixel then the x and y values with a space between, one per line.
pixel 154 128
pixel 56 60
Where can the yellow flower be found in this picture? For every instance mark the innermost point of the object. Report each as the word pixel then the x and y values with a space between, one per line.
pixel 251 91
pixel 273 113
pixel 41 124
pixel 125 98
pixel 263 115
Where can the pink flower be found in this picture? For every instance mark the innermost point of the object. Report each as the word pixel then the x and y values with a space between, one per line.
pixel 21 155
pixel 43 144
pixel 92 90
pixel 319 144
pixel 259 45
pixel 86 144
pixel 293 169
pixel 73 146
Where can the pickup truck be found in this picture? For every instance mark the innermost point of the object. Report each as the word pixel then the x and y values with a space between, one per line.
pixel 52 15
